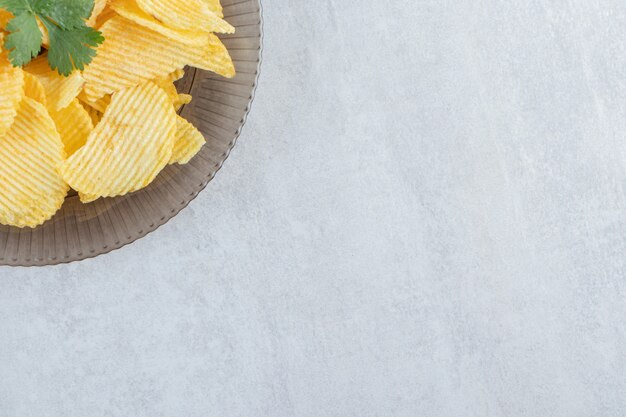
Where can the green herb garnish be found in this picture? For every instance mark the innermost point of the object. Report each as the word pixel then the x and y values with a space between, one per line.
pixel 72 42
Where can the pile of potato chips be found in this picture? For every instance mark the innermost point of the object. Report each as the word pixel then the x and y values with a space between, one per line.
pixel 110 129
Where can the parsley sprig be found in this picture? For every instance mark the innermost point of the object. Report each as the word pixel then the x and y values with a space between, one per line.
pixel 72 42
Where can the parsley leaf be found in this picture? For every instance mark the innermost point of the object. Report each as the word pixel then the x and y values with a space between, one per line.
pixel 70 14
pixel 72 42
pixel 70 49
pixel 24 40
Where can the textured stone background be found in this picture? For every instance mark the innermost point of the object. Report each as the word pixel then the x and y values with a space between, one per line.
pixel 425 216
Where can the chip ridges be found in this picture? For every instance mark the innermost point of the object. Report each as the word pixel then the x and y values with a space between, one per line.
pixel 31 152
pixel 128 148
pixel 128 57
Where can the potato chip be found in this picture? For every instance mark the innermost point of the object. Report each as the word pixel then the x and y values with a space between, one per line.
pixel 11 90
pixel 177 75
pixel 98 7
pixel 181 100
pixel 107 14
pixel 33 88
pixel 188 143
pixel 100 105
pixel 186 14
pixel 60 90
pixel 216 58
pixel 31 153
pixel 215 7
pixel 132 143
pixel 87 198
pixel 94 114
pixel 167 86
pixel 74 125
pixel 132 54
pixel 130 10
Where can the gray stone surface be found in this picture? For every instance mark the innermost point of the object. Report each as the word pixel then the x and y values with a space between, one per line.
pixel 425 216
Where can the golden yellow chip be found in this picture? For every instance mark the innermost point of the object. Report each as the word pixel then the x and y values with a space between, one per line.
pixel 94 114
pixel 132 54
pixel 98 7
pixel 31 153
pixel 181 100
pixel 186 14
pixel 215 7
pixel 216 58
pixel 87 198
pixel 11 90
pixel 177 75
pixel 168 87
pixel 107 14
pixel 128 148
pixel 100 104
pixel 60 90
pixel 130 10
pixel 74 125
pixel 188 143
pixel 33 88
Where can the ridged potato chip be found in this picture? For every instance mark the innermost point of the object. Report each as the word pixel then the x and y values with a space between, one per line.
pixel 215 58
pixel 128 148
pixel 215 7
pixel 132 54
pixel 177 75
pixel 181 100
pixel 188 143
pixel 107 14
pixel 131 11
pixel 60 90
pixel 186 14
pixel 98 8
pixel 100 104
pixel 31 153
pixel 33 88
pixel 74 125
pixel 11 90
pixel 87 198
pixel 94 114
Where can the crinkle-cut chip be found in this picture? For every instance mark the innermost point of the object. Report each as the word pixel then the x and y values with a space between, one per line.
pixel 132 54
pixel 87 198
pixel 177 75
pixel 181 100
pixel 216 58
pixel 60 90
pixel 167 86
pixel 11 91
pixel 100 104
pixel 74 125
pixel 132 143
pixel 5 16
pixel 215 7
pixel 31 153
pixel 98 7
pixel 130 10
pixel 166 83
pixel 33 88
pixel 94 114
pixel 188 143
pixel 186 14
pixel 107 14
